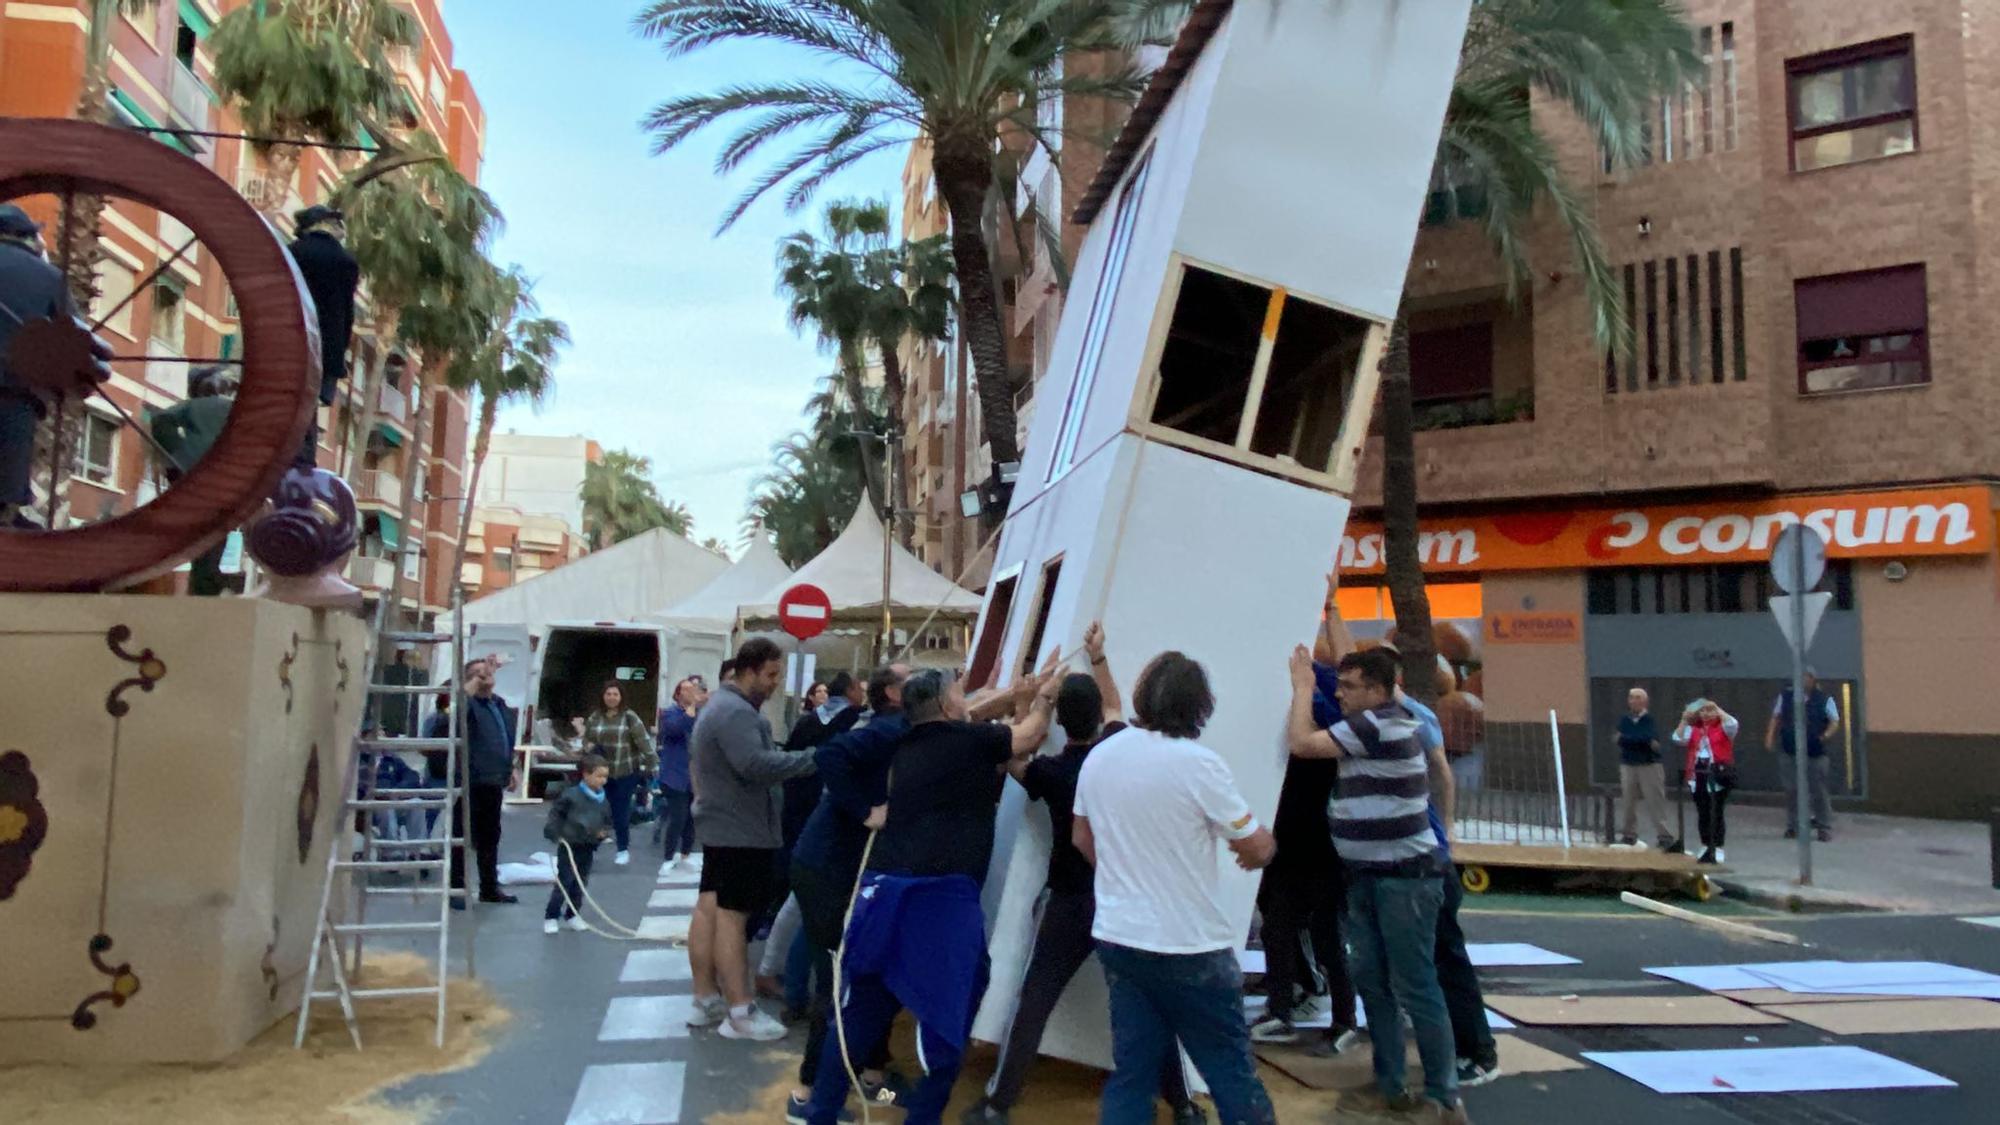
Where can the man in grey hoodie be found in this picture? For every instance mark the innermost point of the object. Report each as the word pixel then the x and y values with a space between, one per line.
pixel 737 819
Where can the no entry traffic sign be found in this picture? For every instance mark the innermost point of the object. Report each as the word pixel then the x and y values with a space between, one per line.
pixel 805 611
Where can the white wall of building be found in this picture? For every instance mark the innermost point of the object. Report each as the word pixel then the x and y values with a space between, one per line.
pixel 537 475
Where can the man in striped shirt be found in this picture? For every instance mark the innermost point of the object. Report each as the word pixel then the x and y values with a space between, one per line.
pixel 1382 833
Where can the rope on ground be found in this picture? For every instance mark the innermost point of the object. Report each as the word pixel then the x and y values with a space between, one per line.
pixel 839 996
pixel 625 933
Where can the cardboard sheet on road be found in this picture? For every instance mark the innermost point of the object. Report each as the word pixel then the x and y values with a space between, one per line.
pixel 1915 978
pixel 1895 1017
pixel 1355 1069
pixel 1722 978
pixel 1765 1070
pixel 1254 1007
pixel 1629 1011
pixel 1767 997
pixel 1497 954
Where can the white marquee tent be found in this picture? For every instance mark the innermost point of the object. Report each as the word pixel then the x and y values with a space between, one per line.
pixel 850 571
pixel 631 581
pixel 699 627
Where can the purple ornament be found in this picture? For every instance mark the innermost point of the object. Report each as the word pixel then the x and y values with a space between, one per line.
pixel 311 524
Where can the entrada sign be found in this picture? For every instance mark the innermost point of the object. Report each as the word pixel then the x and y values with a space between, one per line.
pixel 1901 524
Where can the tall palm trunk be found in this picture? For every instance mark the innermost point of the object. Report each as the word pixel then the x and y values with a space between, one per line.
pixel 851 372
pixel 489 412
pixel 899 478
pixel 1403 562
pixel 964 176
pixel 413 467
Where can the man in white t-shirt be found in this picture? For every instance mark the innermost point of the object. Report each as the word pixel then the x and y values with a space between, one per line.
pixel 1152 805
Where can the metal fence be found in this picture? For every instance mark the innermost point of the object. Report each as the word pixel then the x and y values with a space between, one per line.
pixel 1511 791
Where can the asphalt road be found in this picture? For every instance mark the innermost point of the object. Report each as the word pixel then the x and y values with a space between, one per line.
pixel 562 988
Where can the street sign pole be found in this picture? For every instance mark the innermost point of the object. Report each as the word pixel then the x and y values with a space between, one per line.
pixel 1798 562
pixel 1799 753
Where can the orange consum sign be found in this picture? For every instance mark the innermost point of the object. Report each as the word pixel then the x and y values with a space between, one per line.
pixel 1902 524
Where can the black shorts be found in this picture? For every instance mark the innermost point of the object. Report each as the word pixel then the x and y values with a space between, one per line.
pixel 743 880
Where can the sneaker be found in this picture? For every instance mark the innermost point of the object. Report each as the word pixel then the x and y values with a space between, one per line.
pixel 577 923
pixel 889 1093
pixel 497 898
pixel 1405 1102
pixel 1707 856
pixel 1473 1072
pixel 983 1114
pixel 756 1027
pixel 1448 1114
pixel 1720 857
pixel 1629 841
pixel 1341 1040
pixel 1825 835
pixel 1273 1029
pixel 622 858
pixel 551 926
pixel 1190 1114
pixel 797 1108
pixel 708 1011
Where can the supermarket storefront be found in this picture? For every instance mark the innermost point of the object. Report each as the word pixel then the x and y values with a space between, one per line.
pixel 1565 610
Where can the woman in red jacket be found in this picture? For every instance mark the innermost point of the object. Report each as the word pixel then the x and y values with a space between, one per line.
pixel 1709 734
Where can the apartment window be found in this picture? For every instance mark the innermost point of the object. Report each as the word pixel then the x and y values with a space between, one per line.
pixel 1045 600
pixel 1450 364
pixel 1098 326
pixel 1863 331
pixel 1719 588
pixel 1686 319
pixel 1728 79
pixel 97 450
pixel 114 292
pixel 1252 368
pixel 992 628
pixel 170 312
pixel 440 90
pixel 1855 104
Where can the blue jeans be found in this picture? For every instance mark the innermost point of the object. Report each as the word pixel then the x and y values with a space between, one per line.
pixel 1392 931
pixel 1197 998
pixel 620 791
pixel 18 420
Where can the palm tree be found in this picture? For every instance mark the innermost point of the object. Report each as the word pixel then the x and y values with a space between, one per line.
pixel 514 362
pixel 715 546
pixel 621 501
pixel 826 287
pixel 815 481
pixel 416 227
pixel 1605 60
pixel 961 74
pixel 311 71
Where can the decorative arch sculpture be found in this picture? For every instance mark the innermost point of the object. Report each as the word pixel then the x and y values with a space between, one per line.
pixel 280 358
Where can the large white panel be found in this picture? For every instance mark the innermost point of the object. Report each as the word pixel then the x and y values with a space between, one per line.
pixel 1216 561
pixel 1318 143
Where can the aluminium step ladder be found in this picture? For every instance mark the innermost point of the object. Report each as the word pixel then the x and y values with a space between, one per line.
pixel 343 926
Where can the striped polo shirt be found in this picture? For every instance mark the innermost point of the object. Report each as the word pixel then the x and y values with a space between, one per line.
pixel 1380 814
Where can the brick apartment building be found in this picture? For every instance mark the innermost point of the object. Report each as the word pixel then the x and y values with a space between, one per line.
pixel 162 75
pixel 528 519
pixel 1804 248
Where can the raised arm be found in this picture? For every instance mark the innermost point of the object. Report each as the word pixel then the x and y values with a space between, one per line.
pixel 1334 640
pixel 1100 671
pixel 1303 737
pixel 842 761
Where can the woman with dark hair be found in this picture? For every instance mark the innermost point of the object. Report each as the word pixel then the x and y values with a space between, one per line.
pixel 618 736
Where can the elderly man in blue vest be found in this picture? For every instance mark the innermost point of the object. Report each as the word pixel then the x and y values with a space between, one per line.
pixel 1822 720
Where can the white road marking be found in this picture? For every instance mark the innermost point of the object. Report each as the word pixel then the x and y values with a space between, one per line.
pixel 630 1094
pixel 646 1017
pixel 644 966
pixel 674 898
pixel 664 927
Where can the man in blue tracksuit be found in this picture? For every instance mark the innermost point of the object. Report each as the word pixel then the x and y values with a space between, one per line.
pixel 918 937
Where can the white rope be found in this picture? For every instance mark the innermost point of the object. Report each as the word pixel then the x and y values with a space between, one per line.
pixel 625 933
pixel 839 1001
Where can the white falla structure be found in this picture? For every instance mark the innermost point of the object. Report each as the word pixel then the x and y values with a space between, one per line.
pixel 1211 386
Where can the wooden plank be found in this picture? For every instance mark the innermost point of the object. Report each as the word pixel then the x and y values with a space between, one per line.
pixel 1721 925
pixel 1629 1011
pixel 1554 857
pixel 1895 1017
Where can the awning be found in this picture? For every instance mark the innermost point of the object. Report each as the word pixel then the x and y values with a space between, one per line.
pixel 389 434
pixel 197 21
pixel 391 530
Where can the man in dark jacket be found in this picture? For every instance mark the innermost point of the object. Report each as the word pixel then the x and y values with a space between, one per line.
pixel 489 750
pixel 185 432
pixel 30 289
pixel 1640 773
pixel 332 276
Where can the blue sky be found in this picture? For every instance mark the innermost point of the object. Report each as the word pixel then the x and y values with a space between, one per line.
pixel 682 352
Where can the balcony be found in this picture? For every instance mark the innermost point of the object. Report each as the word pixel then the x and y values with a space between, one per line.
pixel 380 486
pixel 1485 410
pixel 394 405
pixel 191 100
pixel 371 573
